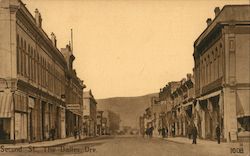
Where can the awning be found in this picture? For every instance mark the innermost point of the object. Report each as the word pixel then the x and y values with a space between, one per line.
pixel 243 105
pixel 210 95
pixel 76 112
pixel 187 104
pixel 6 104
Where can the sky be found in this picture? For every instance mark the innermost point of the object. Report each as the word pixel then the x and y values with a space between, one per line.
pixel 128 47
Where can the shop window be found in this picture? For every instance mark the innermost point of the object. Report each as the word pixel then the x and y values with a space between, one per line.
pixel 244 124
pixel 5 128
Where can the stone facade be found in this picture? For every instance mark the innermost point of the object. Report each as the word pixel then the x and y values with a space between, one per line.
pixel 33 73
pixel 89 112
pixel 219 91
pixel 222 76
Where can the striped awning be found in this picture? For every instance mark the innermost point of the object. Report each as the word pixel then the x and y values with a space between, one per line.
pixel 6 104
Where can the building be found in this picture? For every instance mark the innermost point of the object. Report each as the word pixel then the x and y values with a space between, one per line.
pixel 90 113
pixel 99 122
pixel 168 111
pixel 156 110
pixel 106 122
pixel 222 75
pixel 142 125
pixel 73 93
pixel 34 77
pixel 183 105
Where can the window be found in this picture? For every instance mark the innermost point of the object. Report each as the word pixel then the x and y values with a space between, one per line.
pixel 18 55
pixel 35 65
pixel 29 61
pixel 21 58
pixel 25 60
pixel 32 65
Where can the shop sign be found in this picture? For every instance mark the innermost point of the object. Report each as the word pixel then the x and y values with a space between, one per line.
pixel 73 106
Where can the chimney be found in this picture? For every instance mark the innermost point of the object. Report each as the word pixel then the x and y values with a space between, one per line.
pixel 53 39
pixel 38 18
pixel 189 76
pixel 209 21
pixel 216 11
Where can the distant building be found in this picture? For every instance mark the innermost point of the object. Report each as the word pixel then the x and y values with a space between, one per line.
pixel 73 93
pixel 168 111
pixel 89 113
pixel 106 122
pixel 99 122
pixel 183 106
pixel 222 75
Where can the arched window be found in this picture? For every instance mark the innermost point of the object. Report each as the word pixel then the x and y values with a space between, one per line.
pixel 21 56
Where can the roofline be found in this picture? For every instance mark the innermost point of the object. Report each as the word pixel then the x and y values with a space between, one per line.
pixel 225 6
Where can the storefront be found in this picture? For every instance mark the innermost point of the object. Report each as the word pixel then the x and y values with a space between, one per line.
pixel 6 117
pixel 209 109
pixel 243 114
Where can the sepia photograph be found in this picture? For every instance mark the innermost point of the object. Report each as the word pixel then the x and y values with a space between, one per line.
pixel 125 77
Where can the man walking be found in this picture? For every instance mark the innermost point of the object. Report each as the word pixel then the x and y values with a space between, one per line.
pixel 163 132
pixel 218 133
pixel 194 133
pixel 75 132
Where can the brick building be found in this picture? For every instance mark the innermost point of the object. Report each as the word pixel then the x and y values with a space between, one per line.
pixel 222 75
pixel 34 76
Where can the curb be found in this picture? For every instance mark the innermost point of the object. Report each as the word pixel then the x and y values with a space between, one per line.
pixel 42 146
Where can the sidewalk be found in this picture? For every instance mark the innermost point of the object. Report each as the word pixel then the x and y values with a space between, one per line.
pixel 184 140
pixel 44 143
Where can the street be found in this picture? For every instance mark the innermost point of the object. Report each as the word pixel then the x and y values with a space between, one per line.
pixel 126 146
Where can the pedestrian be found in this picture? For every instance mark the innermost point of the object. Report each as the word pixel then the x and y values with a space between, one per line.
pixel 151 129
pixel 173 131
pixel 166 132
pixel 163 132
pixel 194 134
pixel 75 132
pixel 52 133
pixel 159 131
pixel 218 133
pixel 147 132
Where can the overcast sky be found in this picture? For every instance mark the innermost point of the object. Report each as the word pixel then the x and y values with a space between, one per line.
pixel 128 47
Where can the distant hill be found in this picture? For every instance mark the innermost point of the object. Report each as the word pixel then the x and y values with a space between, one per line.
pixel 129 108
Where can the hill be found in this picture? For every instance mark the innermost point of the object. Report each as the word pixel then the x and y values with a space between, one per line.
pixel 129 108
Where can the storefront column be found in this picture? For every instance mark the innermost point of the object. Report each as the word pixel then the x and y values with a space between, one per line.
pixel 63 127
pixel 203 124
pixel 12 128
pixel 230 117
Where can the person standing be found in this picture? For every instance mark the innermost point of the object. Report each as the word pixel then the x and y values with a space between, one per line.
pixel 166 132
pixel 173 131
pixel 75 132
pixel 163 132
pixel 217 130
pixel 151 129
pixel 194 133
pixel 53 132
